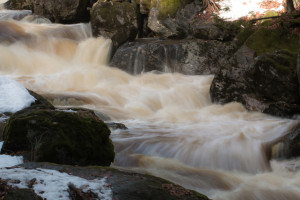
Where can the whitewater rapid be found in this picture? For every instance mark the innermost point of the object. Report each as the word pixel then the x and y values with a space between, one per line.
pixel 174 130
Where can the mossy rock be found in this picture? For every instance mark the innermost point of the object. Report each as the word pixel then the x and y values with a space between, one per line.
pixel 45 135
pixel 168 8
pixel 265 40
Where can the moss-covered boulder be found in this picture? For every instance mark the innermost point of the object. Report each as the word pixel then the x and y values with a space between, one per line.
pixel 171 18
pixel 115 20
pixel 58 137
pixel 60 11
pixel 263 72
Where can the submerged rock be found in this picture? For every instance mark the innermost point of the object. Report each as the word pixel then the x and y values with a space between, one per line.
pixel 58 137
pixel 115 20
pixel 188 56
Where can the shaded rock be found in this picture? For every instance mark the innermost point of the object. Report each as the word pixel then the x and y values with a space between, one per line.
pixel 298 68
pixel 188 56
pixel 22 194
pixel 171 18
pixel 115 20
pixel 59 11
pixel 265 84
pixel 262 74
pixel 58 137
pixel 127 185
pixel 206 29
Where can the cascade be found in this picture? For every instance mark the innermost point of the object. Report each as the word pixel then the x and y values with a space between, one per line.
pixel 174 130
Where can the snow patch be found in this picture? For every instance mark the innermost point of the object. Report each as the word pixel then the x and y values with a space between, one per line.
pixel 9 161
pixel 14 96
pixel 51 184
pixel 235 9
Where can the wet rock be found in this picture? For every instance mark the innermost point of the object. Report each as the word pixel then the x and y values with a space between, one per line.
pixel 188 56
pixel 288 146
pixel 59 137
pixel 114 126
pixel 59 11
pixel 115 20
pixel 127 185
pixel 40 102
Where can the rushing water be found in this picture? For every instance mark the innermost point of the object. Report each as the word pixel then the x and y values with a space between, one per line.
pixel 174 131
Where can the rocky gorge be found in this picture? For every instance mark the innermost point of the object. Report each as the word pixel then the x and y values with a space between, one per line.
pixel 255 63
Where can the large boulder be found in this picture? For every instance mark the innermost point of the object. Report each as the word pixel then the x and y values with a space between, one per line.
pixel 115 20
pixel 59 11
pixel 188 56
pixel 64 137
pixel 262 74
pixel 172 18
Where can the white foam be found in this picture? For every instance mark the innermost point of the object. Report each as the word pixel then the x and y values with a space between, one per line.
pixel 14 96
pixel 51 184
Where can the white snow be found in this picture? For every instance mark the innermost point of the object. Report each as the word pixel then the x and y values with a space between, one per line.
pixel 242 8
pixel 14 96
pixel 51 184
pixel 9 161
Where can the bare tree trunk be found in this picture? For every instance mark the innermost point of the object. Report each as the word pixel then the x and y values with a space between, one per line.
pixel 289 6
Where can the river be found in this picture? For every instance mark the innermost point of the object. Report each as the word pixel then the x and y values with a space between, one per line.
pixel 174 130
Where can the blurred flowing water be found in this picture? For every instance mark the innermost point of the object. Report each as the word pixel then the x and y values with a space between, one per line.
pixel 174 130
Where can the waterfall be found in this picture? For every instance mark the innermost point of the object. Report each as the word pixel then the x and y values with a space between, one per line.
pixel 174 130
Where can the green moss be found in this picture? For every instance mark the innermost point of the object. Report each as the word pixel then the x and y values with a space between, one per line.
pixel 267 41
pixel 59 137
pixel 168 8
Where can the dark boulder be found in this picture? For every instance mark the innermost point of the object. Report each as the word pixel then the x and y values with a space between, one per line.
pixel 188 56
pixel 115 20
pixel 44 135
pixel 59 11
pixel 262 74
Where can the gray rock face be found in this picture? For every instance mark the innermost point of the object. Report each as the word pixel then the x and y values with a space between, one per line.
pixel 114 20
pixel 210 31
pixel 188 56
pixel 60 11
pixel 173 20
